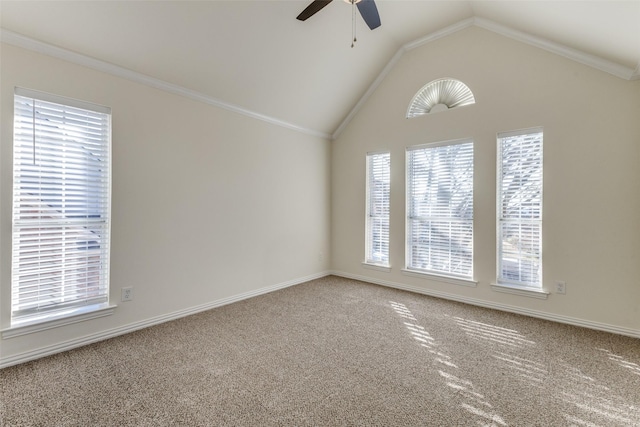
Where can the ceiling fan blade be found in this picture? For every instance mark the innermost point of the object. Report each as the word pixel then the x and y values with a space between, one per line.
pixel 312 9
pixel 369 13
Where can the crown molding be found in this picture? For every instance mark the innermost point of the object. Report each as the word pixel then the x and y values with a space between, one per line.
pixel 557 48
pixel 28 43
pixel 446 31
pixel 636 73
pixel 593 61
pixel 584 58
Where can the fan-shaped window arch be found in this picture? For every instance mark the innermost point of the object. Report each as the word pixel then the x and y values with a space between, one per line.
pixel 440 95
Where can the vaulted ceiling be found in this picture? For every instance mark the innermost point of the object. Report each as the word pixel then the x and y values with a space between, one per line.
pixel 255 57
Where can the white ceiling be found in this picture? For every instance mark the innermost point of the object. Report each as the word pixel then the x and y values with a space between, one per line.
pixel 256 56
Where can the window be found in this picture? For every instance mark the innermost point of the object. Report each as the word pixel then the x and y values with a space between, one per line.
pixel 440 209
pixel 61 207
pixel 440 95
pixel 377 219
pixel 520 208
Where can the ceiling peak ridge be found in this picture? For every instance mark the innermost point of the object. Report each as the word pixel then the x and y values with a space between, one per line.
pixel 575 55
pixel 22 41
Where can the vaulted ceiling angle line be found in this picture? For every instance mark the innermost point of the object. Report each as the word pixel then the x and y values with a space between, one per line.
pixel 38 46
pixel 593 61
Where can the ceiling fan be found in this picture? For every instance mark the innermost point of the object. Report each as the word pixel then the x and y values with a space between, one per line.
pixel 367 9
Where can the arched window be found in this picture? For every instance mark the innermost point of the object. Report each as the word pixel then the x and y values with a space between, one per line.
pixel 440 95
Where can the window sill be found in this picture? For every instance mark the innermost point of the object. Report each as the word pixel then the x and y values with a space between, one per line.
pixel 379 267
pixel 524 291
pixel 80 315
pixel 437 277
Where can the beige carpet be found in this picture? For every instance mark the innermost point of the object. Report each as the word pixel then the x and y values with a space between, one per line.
pixel 336 352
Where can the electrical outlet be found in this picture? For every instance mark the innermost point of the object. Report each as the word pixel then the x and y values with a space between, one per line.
pixel 561 287
pixel 127 294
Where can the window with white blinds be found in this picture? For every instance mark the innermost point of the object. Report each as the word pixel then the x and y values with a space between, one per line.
pixel 520 208
pixel 440 208
pixel 377 216
pixel 61 207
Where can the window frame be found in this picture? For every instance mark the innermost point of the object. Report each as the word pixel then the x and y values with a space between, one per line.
pixel 369 259
pixel 411 270
pixel 528 288
pixel 80 307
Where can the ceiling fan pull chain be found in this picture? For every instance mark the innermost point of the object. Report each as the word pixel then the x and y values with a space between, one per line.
pixel 353 22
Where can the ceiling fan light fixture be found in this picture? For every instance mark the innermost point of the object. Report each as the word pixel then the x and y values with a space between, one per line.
pixel 352 1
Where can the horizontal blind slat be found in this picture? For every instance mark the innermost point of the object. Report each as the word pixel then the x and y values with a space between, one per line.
pixel 440 208
pixel 378 208
pixel 61 205
pixel 520 207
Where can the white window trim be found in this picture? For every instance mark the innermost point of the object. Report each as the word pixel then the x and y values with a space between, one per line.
pixel 432 275
pixel 505 286
pixel 440 278
pixel 78 313
pixel 439 144
pixel 381 266
pixel 58 99
pixel 525 291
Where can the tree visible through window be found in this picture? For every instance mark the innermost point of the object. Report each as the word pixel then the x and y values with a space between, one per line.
pixel 520 208
pixel 61 206
pixel 440 208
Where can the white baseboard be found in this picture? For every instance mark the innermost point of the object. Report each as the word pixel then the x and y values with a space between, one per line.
pixel 111 333
pixel 114 332
pixel 497 306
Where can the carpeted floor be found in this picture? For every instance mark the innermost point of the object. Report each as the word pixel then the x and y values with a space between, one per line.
pixel 336 352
